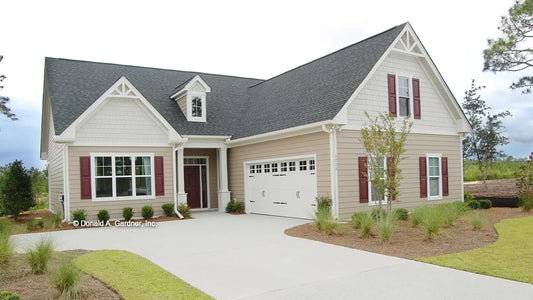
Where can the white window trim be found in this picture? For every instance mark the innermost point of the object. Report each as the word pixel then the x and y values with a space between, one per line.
pixel 439 156
pixel 207 180
pixel 411 104
pixel 370 201
pixel 190 96
pixel 113 180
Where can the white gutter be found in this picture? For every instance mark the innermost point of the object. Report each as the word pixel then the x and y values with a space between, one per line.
pixel 174 183
pixel 275 134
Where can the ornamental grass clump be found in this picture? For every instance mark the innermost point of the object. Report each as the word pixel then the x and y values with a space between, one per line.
pixel 39 257
pixel 324 220
pixel 433 219
pixel 66 280
pixel 358 219
pixel 477 220
pixel 6 246
pixel 452 212
pixel 386 227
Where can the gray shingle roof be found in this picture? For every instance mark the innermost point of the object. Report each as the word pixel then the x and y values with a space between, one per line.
pixel 310 93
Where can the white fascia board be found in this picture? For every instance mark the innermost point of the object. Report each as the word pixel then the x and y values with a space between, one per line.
pixel 69 134
pixel 279 134
pixel 207 137
pixel 188 86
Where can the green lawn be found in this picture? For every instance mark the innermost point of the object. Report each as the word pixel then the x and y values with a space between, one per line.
pixel 510 257
pixel 135 277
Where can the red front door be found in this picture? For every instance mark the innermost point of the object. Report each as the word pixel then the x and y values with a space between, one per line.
pixel 192 186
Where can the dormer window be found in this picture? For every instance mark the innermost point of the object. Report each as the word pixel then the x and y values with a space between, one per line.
pixel 191 98
pixel 196 107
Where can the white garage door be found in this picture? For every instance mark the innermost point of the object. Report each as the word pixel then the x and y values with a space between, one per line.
pixel 284 187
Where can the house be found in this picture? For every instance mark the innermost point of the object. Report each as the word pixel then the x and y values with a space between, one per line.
pixel 121 136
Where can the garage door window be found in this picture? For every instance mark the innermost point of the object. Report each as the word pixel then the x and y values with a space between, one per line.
pixel 303 165
pixel 267 168
pixel 252 169
pixel 283 167
pixel 311 165
pixel 274 167
pixel 292 166
pixel 258 169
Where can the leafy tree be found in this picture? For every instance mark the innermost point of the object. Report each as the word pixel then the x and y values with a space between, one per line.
pixel 4 110
pixel 487 131
pixel 15 189
pixel 39 181
pixel 512 52
pixel 383 142
pixel 524 180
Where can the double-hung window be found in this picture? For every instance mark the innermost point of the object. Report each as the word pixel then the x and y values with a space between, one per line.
pixel 434 177
pixel 123 176
pixel 404 102
pixel 373 188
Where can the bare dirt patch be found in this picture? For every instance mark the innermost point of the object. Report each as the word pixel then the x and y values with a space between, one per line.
pixel 18 278
pixel 411 242
pixel 503 188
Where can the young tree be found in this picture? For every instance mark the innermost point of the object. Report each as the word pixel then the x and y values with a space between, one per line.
pixel 487 131
pixel 383 142
pixel 15 189
pixel 513 51
pixel 4 110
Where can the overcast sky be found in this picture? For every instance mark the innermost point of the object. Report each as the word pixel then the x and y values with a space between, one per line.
pixel 242 38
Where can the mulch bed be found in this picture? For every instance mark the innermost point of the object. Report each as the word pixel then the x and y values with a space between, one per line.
pixel 17 277
pixel 501 192
pixel 411 242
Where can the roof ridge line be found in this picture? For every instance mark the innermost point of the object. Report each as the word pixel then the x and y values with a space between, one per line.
pixel 329 54
pixel 152 68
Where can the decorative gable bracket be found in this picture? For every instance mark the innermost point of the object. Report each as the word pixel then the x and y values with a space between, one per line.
pixel 191 99
pixel 408 43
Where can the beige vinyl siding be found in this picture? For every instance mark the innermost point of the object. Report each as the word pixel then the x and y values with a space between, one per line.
pixel 213 171
pixel 182 103
pixel 373 97
pixel 55 169
pixel 309 144
pixel 349 149
pixel 115 207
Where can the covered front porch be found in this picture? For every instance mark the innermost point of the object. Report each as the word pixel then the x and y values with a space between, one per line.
pixel 200 172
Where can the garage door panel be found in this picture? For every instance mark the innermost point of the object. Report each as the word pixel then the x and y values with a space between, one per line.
pixel 288 188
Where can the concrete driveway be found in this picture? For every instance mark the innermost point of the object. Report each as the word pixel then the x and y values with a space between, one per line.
pixel 249 257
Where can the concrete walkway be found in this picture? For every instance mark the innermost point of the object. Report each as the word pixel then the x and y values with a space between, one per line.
pixel 249 257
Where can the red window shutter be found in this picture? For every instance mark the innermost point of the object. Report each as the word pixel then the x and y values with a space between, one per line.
pixel 391 80
pixel 85 177
pixel 390 170
pixel 423 177
pixel 159 176
pixel 444 171
pixel 363 180
pixel 416 98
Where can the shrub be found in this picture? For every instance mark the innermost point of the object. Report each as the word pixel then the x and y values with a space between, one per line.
pixel 357 219
pixel 16 194
pixel 39 257
pixel 147 211
pixel 66 280
pixel 324 203
pixel 378 213
pixel 127 213
pixel 526 202
pixel 168 209
pixel 477 220
pixel 34 223
pixel 474 204
pixel 55 221
pixel 485 204
pixel 230 207
pixel 5 295
pixel 184 210
pixel 385 227
pixel 238 207
pixel 401 214
pixel 468 197
pixel 6 246
pixel 79 215
pixel 103 215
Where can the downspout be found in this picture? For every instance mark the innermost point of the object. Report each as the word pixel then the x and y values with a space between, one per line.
pixel 174 191
pixel 461 138
pixel 333 167
pixel 66 192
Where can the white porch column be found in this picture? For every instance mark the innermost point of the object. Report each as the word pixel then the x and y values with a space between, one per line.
pixel 224 195
pixel 182 196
